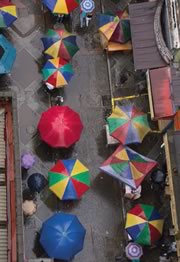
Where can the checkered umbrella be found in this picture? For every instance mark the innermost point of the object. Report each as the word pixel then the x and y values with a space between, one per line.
pixel 133 251
pixel 87 6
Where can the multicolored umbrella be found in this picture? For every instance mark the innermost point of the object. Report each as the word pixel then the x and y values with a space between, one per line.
pixel 60 43
pixel 114 28
pixel 133 251
pixel 128 124
pixel 60 126
pixel 128 166
pixel 69 179
pixel 62 236
pixel 57 72
pixel 144 224
pixel 61 6
pixel 87 6
pixel 8 14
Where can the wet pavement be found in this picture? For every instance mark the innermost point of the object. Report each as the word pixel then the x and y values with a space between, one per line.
pixel 100 209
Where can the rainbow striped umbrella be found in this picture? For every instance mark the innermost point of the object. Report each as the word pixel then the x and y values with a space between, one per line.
pixel 128 124
pixel 144 224
pixel 60 43
pixel 8 14
pixel 69 179
pixel 128 166
pixel 61 6
pixel 57 73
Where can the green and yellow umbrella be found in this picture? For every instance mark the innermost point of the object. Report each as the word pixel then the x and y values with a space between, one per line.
pixel 128 124
pixel 69 179
pixel 144 224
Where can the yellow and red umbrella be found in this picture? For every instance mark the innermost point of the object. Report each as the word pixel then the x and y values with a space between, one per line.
pixel 61 6
pixel 69 179
pixel 8 14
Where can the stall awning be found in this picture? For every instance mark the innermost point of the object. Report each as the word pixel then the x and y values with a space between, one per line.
pixel 160 93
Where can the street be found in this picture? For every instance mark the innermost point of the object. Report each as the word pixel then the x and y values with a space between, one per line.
pixel 100 209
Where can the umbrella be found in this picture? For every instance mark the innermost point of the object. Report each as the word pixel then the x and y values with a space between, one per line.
pixel 36 182
pixel 29 207
pixel 60 126
pixel 87 6
pixel 61 6
pixel 133 251
pixel 8 14
pixel 144 224
pixel 128 124
pixel 69 179
pixel 57 72
pixel 128 166
pixel 62 236
pixel 60 43
pixel 7 55
pixel 27 160
pixel 114 28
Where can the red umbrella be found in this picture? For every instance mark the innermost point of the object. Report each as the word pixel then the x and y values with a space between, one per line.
pixel 60 126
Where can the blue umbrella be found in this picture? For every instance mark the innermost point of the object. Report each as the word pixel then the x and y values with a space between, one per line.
pixel 36 182
pixel 7 55
pixel 62 236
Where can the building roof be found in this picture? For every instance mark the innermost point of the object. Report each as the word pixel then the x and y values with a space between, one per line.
pixel 162 100
pixel 145 51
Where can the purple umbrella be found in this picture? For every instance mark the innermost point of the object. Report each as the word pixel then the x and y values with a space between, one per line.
pixel 27 160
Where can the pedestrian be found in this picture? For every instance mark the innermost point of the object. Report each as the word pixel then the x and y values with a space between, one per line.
pixel 88 18
pixel 59 18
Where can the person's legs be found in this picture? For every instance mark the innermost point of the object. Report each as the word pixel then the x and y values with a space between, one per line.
pixel 81 21
pixel 87 21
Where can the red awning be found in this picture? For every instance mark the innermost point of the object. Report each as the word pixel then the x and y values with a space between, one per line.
pixel 160 82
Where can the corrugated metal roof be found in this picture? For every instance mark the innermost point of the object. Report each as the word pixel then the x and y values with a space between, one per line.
pixel 160 80
pixel 145 51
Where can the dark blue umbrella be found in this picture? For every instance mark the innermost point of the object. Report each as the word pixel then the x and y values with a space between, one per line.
pixel 7 55
pixel 62 236
pixel 36 182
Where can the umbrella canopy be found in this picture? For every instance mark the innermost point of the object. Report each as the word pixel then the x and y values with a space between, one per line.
pixel 87 6
pixel 57 72
pixel 36 182
pixel 61 6
pixel 69 179
pixel 27 160
pixel 128 124
pixel 114 28
pixel 144 224
pixel 128 166
pixel 8 14
pixel 29 207
pixel 62 236
pixel 7 55
pixel 60 43
pixel 60 126
pixel 133 251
